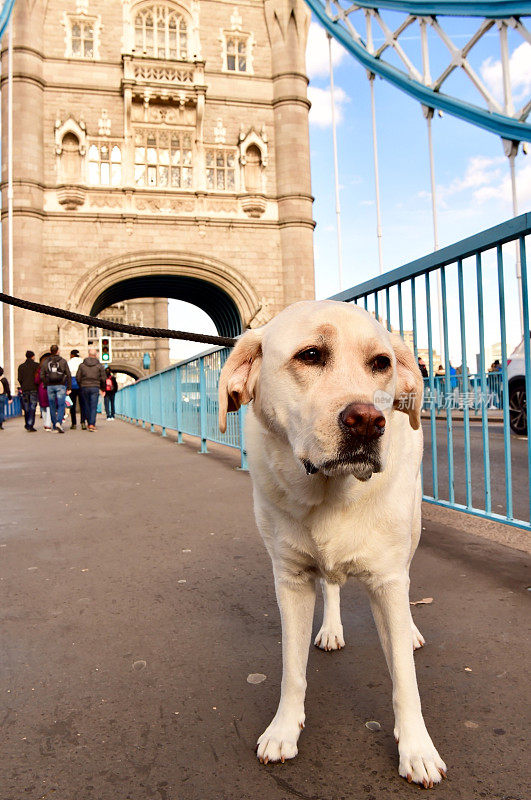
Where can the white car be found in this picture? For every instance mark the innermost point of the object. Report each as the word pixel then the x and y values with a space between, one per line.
pixel 517 393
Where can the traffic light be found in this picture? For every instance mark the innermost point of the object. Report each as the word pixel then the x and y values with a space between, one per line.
pixel 105 350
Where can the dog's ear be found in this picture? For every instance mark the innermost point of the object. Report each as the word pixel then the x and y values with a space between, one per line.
pixel 238 377
pixel 409 382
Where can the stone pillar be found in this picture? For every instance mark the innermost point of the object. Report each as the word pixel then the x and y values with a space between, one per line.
pixel 288 22
pixel 28 175
pixel 162 346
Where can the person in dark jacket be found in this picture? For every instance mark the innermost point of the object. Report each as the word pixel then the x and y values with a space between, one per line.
pixel 29 397
pixel 91 379
pixel 58 382
pixel 111 387
pixel 5 397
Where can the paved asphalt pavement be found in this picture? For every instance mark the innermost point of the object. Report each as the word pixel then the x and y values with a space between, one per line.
pixel 520 475
pixel 137 597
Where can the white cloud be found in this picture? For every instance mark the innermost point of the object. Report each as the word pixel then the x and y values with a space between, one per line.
pixel 317 58
pixel 321 110
pixel 501 190
pixel 489 179
pixel 480 171
pixel 519 70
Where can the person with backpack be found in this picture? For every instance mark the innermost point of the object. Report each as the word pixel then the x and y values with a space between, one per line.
pixel 5 397
pixel 111 387
pixel 73 365
pixel 26 379
pixel 91 379
pixel 58 382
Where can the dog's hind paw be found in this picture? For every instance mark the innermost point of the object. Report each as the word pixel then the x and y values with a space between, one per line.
pixel 417 637
pixel 330 639
pixel 279 741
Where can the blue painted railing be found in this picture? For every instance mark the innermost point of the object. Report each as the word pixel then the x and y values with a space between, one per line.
pixel 13 409
pixel 463 392
pixel 184 398
pixel 473 274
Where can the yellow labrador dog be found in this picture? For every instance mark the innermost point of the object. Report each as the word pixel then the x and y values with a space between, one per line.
pixel 335 445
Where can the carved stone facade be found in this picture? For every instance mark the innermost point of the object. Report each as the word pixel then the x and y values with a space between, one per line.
pixel 160 150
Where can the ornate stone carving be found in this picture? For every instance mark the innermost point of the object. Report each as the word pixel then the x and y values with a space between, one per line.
pixel 70 196
pixel 254 205
pixel 220 133
pixel 104 123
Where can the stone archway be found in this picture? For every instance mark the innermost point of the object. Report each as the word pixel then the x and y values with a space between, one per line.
pixel 226 296
pixel 128 369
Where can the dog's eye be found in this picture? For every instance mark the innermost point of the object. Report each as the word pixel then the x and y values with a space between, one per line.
pixel 381 363
pixel 312 355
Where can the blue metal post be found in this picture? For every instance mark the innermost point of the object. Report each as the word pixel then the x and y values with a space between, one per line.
pixel 414 317
pixel 434 475
pixel 506 429
pixel 466 385
pixel 162 420
pixel 483 377
pixel 179 409
pixel 527 356
pixel 400 310
pixel 388 307
pixel 202 406
pixel 241 423
pixel 150 405
pixel 448 392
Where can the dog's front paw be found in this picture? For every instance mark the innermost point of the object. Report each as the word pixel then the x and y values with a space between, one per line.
pixel 419 760
pixel 417 637
pixel 330 638
pixel 279 741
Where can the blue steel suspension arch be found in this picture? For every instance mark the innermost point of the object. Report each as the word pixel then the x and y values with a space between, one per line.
pixel 6 7
pixel 342 18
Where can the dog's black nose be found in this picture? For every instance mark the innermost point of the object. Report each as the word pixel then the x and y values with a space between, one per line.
pixel 363 419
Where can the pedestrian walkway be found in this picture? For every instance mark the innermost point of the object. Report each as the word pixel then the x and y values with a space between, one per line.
pixel 137 597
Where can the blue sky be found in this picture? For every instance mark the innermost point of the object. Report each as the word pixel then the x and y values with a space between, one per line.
pixel 472 173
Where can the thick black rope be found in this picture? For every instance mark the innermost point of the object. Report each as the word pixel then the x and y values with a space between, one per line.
pixel 96 322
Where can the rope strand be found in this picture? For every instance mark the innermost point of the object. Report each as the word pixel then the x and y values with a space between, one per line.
pixel 96 322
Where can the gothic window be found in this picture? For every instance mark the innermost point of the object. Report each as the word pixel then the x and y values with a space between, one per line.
pixel 161 32
pixel 220 170
pixel 236 53
pixel 163 159
pixel 82 39
pixel 105 164
pixel 81 36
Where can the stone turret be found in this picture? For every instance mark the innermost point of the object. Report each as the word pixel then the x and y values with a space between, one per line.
pixel 288 22
pixel 28 167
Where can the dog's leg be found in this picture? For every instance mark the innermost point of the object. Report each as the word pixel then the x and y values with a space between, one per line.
pixel 419 760
pixel 330 637
pixel 296 603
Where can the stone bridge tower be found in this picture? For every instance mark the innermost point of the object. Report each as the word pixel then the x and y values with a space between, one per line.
pixel 160 150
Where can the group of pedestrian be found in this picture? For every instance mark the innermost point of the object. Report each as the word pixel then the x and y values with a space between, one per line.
pixel 55 384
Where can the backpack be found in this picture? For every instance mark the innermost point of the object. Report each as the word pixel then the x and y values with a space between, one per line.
pixel 55 374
